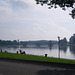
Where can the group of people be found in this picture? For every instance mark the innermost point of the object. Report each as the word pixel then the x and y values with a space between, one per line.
pixel 21 52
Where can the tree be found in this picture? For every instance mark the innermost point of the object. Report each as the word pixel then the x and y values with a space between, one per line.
pixel 64 4
pixel 63 42
pixel 72 39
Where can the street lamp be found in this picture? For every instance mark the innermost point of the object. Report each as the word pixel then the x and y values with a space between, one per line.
pixel 18 44
pixel 59 46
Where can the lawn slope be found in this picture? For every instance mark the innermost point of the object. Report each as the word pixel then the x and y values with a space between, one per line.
pixel 35 58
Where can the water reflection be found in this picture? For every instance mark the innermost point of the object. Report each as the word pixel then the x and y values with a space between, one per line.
pixel 50 47
pixel 9 46
pixel 63 48
pixel 52 51
pixel 72 49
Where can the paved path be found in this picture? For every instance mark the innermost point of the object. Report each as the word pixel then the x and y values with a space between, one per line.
pixel 31 68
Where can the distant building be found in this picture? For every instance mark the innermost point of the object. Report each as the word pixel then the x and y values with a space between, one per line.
pixel 72 39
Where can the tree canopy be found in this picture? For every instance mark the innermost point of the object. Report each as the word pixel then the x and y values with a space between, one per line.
pixel 64 4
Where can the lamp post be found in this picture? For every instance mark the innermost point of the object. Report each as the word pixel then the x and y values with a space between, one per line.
pixel 18 44
pixel 59 46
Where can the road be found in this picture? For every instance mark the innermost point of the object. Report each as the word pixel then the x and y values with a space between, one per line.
pixel 32 68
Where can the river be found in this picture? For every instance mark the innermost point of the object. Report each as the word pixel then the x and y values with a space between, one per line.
pixel 66 52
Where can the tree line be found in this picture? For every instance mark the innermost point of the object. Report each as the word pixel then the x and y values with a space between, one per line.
pixel 8 42
pixel 38 42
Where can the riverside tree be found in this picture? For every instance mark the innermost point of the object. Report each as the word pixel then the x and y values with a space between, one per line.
pixel 64 4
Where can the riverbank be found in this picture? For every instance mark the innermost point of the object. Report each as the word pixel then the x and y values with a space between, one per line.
pixel 4 55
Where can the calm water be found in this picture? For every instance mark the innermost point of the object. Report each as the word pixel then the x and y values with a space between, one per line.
pixel 65 51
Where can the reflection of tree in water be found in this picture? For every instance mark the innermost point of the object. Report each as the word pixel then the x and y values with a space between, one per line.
pixel 50 44
pixel 63 48
pixel 8 47
pixel 50 47
pixel 72 49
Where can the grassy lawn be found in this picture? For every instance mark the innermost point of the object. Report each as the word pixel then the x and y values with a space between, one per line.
pixel 36 58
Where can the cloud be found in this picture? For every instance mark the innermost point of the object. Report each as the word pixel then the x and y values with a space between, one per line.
pixel 16 4
pixel 50 30
pixel 15 8
pixel 26 20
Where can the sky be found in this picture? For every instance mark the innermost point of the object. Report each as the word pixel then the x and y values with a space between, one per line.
pixel 24 20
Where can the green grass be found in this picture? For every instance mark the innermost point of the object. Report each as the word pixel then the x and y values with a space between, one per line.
pixel 36 58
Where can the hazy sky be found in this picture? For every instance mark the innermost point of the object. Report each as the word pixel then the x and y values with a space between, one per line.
pixel 24 20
